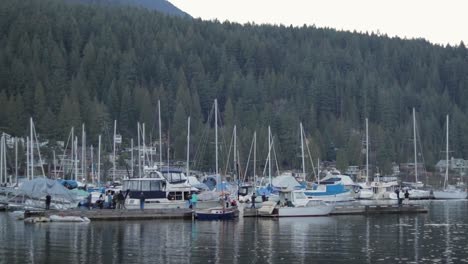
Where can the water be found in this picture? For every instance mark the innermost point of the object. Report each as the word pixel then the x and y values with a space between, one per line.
pixel 440 236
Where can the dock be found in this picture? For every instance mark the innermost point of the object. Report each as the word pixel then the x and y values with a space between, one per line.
pixel 359 210
pixel 379 209
pixel 124 214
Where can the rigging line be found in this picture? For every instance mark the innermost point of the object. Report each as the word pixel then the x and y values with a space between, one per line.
pixel 201 146
pixel 310 157
pixel 229 153
pixel 38 150
pixel 276 158
pixel 248 160
pixel 64 153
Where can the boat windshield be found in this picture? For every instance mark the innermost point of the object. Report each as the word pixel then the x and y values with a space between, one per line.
pixel 299 195
pixel 143 185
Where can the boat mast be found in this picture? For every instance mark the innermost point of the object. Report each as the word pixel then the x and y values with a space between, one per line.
pixel 113 157
pixel 188 146
pixel 447 156
pixel 99 161
pixel 83 151
pixel 72 155
pixel 32 148
pixel 269 155
pixel 76 158
pixel 144 145
pixel 27 158
pixel 318 171
pixel 415 150
pixel 235 154
pixel 131 147
pixel 160 142
pixel 216 134
pixel 55 166
pixel 302 152
pixel 255 159
pixel 1 158
pixel 367 151
pixel 16 160
pixel 139 150
pixel 92 164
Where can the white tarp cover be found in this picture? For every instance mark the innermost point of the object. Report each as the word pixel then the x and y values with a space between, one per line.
pixel 285 182
pixel 40 187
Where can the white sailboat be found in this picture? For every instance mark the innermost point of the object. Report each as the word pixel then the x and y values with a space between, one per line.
pixel 415 193
pixel 449 192
pixel 375 190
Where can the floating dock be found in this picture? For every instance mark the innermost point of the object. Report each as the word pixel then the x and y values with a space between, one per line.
pixel 123 214
pixel 359 210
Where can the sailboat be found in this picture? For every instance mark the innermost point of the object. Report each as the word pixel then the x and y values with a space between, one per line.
pixel 416 193
pixel 449 192
pixel 326 190
pixel 375 190
pixel 220 212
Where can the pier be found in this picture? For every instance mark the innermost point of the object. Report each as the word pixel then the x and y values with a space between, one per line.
pixel 359 210
pixel 123 214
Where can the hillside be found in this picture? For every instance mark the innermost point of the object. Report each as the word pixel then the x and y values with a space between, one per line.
pixel 162 6
pixel 66 64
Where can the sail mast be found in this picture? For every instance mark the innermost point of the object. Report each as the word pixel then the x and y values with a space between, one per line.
pixel 367 151
pixel 447 156
pixel 415 148
pixel 302 150
pixel 188 145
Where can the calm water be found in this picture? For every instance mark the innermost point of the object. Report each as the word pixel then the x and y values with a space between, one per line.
pixel 441 236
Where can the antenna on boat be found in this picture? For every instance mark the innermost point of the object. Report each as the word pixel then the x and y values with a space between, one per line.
pixel 16 160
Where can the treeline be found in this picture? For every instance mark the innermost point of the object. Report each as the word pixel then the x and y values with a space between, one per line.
pixel 67 64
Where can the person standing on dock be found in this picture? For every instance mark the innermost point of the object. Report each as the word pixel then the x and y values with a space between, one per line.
pixel 253 200
pixel 48 199
pixel 142 201
pixel 406 197
pixel 194 200
pixel 397 192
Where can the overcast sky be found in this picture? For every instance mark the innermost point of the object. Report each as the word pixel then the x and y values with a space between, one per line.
pixel 439 21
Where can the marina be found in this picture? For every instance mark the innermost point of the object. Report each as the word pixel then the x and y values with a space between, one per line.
pixel 245 211
pixel 395 238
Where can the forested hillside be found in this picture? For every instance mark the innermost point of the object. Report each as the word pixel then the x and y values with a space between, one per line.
pixel 64 64
pixel 159 5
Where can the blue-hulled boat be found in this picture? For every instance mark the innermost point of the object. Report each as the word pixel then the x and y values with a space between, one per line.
pixel 329 193
pixel 217 213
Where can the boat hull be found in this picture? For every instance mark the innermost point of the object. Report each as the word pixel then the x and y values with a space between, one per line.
pixel 217 214
pixel 321 210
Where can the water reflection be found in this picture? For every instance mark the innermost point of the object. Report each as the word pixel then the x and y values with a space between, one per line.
pixel 439 235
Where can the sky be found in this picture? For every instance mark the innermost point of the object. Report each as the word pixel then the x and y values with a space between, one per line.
pixel 438 21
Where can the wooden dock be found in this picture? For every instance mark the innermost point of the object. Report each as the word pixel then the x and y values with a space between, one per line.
pixel 124 214
pixel 378 209
pixel 361 210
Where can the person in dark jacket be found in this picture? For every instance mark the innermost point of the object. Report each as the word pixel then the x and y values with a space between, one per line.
pixel 406 197
pixel 142 201
pixel 48 199
pixel 254 196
